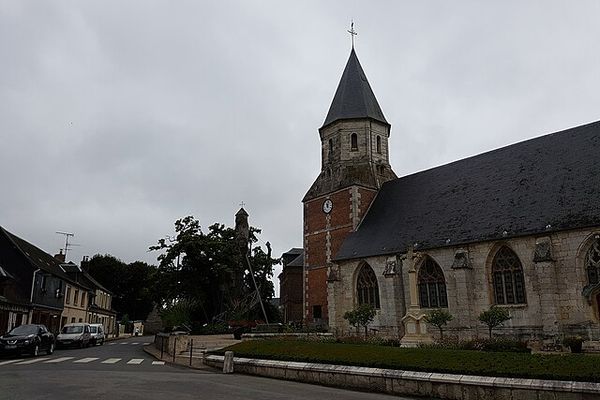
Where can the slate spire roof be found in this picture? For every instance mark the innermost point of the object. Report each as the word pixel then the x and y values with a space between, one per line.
pixel 354 97
pixel 539 186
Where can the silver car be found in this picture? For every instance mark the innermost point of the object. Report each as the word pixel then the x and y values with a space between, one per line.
pixel 74 335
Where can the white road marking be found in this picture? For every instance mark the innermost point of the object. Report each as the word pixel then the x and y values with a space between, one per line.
pixel 111 361
pixel 31 361
pixel 10 361
pixel 111 344
pixel 135 361
pixel 146 343
pixel 86 360
pixel 158 363
pixel 123 343
pixel 58 360
pixel 134 343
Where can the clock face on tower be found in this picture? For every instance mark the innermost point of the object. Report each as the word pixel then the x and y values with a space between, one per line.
pixel 327 206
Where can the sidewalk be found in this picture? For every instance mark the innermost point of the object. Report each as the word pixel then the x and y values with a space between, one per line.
pixel 202 343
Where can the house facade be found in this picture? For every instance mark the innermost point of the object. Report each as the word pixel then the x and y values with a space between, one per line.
pixel 38 288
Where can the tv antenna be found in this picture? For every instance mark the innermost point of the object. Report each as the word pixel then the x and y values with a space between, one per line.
pixel 68 245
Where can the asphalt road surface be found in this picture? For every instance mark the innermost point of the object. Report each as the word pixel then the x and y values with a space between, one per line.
pixel 122 370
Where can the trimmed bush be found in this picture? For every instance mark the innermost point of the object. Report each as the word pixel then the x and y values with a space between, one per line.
pixel 486 363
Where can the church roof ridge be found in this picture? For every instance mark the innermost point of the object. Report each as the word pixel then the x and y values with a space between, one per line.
pixel 541 185
pixel 354 97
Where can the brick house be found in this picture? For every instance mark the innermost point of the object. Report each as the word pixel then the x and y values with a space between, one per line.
pixel 290 286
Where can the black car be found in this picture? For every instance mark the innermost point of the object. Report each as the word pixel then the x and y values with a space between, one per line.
pixel 30 339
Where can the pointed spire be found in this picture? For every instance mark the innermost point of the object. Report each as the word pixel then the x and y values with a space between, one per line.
pixel 354 97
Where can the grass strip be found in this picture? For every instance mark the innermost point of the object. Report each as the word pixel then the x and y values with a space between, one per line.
pixel 572 367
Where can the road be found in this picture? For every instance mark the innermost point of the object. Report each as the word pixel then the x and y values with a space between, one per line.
pixel 122 370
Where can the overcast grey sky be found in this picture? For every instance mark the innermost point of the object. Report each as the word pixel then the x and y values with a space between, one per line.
pixel 119 117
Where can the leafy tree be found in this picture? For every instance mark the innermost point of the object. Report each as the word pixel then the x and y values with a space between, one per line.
pixel 439 318
pixel 209 269
pixel 362 315
pixel 131 284
pixel 494 317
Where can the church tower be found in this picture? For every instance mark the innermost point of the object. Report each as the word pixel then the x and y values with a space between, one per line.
pixel 354 165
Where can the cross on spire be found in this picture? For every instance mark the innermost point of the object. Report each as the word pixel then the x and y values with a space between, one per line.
pixel 352 32
pixel 242 204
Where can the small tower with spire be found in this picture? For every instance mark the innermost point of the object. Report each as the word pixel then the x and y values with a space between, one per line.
pixel 354 165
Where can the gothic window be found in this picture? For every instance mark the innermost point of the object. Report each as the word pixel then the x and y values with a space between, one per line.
pixel 507 275
pixel 330 149
pixel 354 142
pixel 367 288
pixel 432 285
pixel 378 144
pixel 592 262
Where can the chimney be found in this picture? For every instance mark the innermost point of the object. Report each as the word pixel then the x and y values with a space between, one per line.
pixel 60 256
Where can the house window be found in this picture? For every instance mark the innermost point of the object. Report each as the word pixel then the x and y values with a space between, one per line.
pixel 354 142
pixel 317 312
pixel 68 296
pixel 82 300
pixel 592 263
pixel 432 285
pixel 378 144
pixel 76 297
pixel 367 289
pixel 507 275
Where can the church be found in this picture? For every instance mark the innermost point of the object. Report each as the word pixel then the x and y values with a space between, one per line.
pixel 517 227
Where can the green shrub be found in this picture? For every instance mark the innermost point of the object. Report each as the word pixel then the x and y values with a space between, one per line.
pixel 439 318
pixel 485 363
pixel 494 317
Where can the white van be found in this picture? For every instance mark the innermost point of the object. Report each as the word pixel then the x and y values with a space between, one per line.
pixel 97 334
pixel 74 335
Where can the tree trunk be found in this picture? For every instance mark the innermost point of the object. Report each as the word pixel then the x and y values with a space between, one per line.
pixel 365 331
pixel 441 333
pixel 490 329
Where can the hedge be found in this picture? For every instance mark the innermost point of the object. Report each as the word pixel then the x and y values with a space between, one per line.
pixel 576 367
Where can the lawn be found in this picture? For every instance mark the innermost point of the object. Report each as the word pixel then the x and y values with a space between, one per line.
pixel 577 367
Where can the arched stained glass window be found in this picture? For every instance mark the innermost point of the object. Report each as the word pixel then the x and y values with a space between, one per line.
pixel 507 274
pixel 432 285
pixel 592 263
pixel 367 288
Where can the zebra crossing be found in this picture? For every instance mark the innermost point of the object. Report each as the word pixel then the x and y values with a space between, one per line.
pixel 85 360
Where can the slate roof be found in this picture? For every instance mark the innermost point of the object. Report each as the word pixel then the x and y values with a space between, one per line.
pixel 547 184
pixel 354 97
pixel 38 257
pixel 298 261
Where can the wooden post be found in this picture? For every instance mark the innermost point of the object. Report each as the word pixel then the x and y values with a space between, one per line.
pixel 228 362
pixel 191 350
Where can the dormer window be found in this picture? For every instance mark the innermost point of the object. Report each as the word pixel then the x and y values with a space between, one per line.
pixel 378 145
pixel 354 142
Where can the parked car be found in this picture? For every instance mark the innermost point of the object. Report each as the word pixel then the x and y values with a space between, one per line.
pixel 30 339
pixel 97 334
pixel 74 335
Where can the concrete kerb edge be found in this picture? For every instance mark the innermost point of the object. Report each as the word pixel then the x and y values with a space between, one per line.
pixel 439 378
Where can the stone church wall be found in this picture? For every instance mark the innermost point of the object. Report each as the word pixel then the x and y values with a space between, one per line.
pixel 554 281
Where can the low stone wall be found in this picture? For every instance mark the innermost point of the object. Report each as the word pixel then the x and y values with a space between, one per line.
pixel 445 386
pixel 168 343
